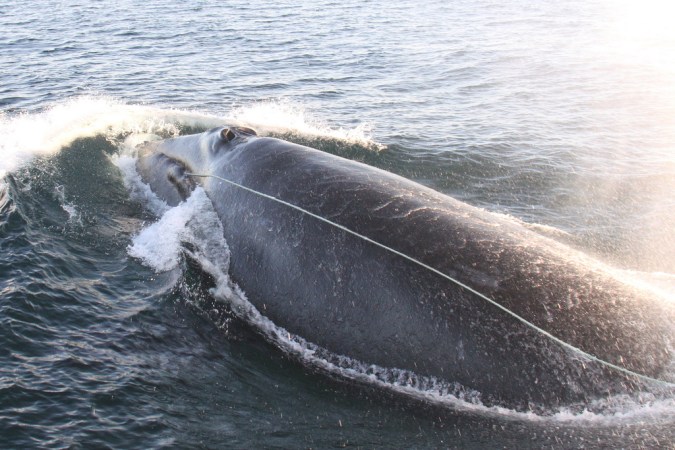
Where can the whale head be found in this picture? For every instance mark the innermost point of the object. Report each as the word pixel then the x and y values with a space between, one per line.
pixel 167 165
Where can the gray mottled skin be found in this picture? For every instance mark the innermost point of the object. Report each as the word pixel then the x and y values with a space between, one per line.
pixel 359 300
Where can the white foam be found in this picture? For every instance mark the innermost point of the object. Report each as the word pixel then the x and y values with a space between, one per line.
pixel 282 116
pixel 24 136
pixel 159 245
pixel 125 160
pixel 620 409
pixel 610 411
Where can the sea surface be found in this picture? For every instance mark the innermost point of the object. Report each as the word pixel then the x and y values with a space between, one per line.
pixel 560 114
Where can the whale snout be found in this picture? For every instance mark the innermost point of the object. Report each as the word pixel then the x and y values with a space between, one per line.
pixel 167 177
pixel 179 178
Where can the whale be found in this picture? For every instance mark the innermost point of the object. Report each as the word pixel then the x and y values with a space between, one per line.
pixel 376 267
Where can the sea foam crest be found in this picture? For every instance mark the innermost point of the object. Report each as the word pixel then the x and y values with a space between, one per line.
pixel 24 136
pixel 282 116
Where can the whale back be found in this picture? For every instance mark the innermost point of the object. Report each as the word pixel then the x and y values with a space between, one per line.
pixel 361 300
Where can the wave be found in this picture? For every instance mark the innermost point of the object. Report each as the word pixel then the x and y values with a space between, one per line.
pixel 283 117
pixel 26 136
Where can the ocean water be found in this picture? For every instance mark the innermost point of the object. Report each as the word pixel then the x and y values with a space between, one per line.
pixel 560 114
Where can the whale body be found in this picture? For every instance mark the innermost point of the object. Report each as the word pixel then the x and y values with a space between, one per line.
pixel 519 317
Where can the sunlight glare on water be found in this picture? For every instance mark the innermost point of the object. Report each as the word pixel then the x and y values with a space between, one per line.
pixel 645 21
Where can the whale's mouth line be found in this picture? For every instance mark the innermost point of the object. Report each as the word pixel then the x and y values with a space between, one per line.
pixel 566 345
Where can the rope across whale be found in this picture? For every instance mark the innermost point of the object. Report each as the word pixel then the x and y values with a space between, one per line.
pixel 464 286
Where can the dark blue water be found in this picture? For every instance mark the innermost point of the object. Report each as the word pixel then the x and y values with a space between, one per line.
pixel 561 114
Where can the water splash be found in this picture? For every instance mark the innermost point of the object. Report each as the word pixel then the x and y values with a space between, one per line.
pixel 25 136
pixel 280 116
pixel 125 160
pixel 160 245
pixel 74 216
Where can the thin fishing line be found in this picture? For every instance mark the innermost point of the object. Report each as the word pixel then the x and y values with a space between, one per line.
pixel 443 275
